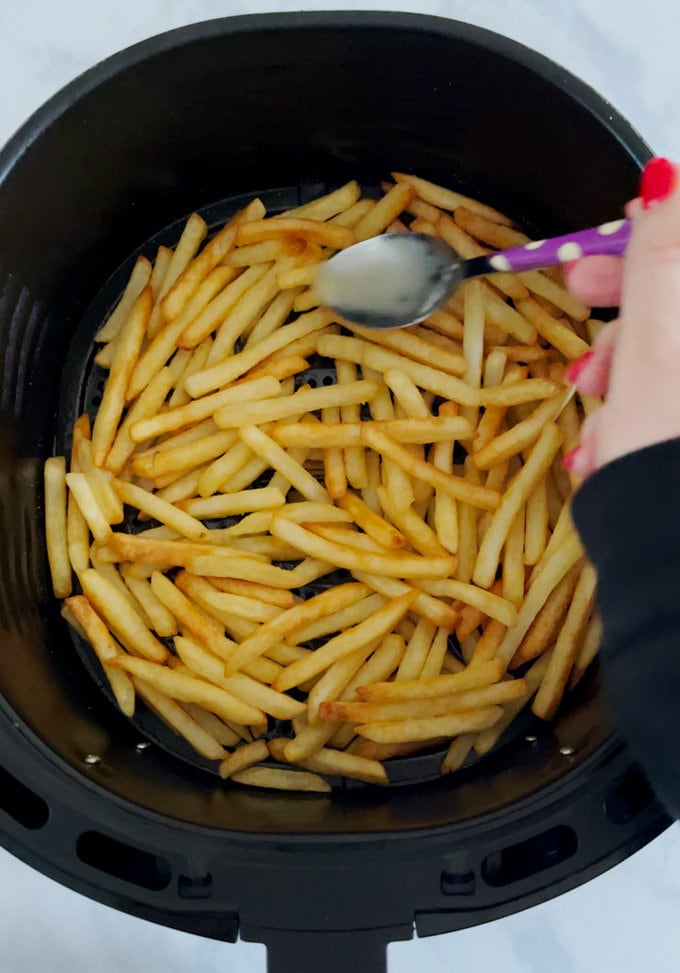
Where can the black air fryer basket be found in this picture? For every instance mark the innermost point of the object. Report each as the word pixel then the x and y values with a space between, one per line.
pixel 285 106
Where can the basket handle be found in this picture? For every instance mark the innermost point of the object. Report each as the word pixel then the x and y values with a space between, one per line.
pixel 362 951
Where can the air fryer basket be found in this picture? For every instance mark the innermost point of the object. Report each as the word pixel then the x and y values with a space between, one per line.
pixel 285 105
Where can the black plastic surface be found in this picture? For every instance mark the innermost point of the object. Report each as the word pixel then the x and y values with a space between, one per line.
pixel 131 147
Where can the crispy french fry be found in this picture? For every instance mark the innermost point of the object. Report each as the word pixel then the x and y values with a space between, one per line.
pixel 430 728
pixel 55 480
pixel 105 648
pixel 128 347
pixel 121 617
pixel 282 780
pixel 245 756
pixel 444 685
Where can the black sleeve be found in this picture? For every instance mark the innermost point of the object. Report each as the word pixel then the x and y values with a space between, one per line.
pixel 628 515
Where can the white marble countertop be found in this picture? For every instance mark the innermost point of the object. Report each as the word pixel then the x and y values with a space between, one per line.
pixel 623 922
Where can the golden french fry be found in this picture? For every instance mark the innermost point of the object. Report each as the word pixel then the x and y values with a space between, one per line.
pixel 120 616
pixel 84 495
pixel 228 504
pixel 374 627
pixel 536 466
pixel 397 712
pixel 430 728
pixel 128 347
pixel 373 356
pixel 139 278
pixel 337 621
pixel 304 400
pixel 162 620
pixel 395 565
pixel 444 685
pixel 549 572
pixel 567 647
pixel 245 392
pixel 457 753
pixel 442 198
pixel 244 756
pixel 588 651
pixel 55 480
pixel 326 603
pixel 455 486
pixel 262 445
pixel 105 648
pixel 376 527
pixel 188 689
pixel 282 780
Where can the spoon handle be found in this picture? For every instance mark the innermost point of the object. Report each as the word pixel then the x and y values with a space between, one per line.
pixel 609 238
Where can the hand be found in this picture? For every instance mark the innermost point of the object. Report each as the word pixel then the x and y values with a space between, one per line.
pixel 635 361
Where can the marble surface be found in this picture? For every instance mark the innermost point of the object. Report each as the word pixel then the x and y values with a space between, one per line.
pixel 624 921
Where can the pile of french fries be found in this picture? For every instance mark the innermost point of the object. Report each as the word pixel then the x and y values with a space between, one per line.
pixel 429 470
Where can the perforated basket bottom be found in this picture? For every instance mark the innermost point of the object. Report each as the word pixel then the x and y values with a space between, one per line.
pixel 81 391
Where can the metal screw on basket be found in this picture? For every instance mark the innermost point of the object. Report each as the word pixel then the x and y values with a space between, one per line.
pixel 92 758
pixel 567 751
pixel 531 739
pixel 141 747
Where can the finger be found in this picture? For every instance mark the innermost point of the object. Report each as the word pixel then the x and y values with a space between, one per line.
pixel 595 280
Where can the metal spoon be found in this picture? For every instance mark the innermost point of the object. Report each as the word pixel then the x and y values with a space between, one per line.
pixel 398 279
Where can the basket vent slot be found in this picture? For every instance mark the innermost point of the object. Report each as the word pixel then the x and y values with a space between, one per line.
pixel 529 857
pixel 21 803
pixel 124 861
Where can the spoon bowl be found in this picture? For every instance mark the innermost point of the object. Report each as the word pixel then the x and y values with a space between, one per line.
pixel 398 279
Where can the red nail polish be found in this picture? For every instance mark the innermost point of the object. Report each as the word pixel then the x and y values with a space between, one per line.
pixel 569 458
pixel 576 367
pixel 657 182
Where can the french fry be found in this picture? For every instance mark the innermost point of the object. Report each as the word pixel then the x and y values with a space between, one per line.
pixel 413 346
pixel 425 605
pixel 280 460
pixel 397 712
pixel 315 231
pixel 128 347
pixel 430 728
pixel 282 780
pixel 260 388
pixel 105 648
pixel 187 282
pixel 55 525
pixel 376 527
pixel 188 689
pixel 335 434
pixel 567 647
pixel 325 207
pixel 553 567
pixel 228 504
pixel 84 495
pixel 443 685
pixel 457 753
pixel 333 600
pixel 455 486
pixel 180 721
pixel 588 651
pixel 374 627
pixel 395 565
pixel 488 602
pixel 120 616
pixel 162 620
pixel 245 756
pixel 363 353
pixel 536 466
pixel 202 401
pixel 218 730
pixel 447 199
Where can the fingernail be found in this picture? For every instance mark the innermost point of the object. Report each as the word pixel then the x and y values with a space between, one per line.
pixel 569 459
pixel 657 182
pixel 576 367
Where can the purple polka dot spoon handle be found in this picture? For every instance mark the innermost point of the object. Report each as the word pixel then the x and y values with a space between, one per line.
pixel 610 239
